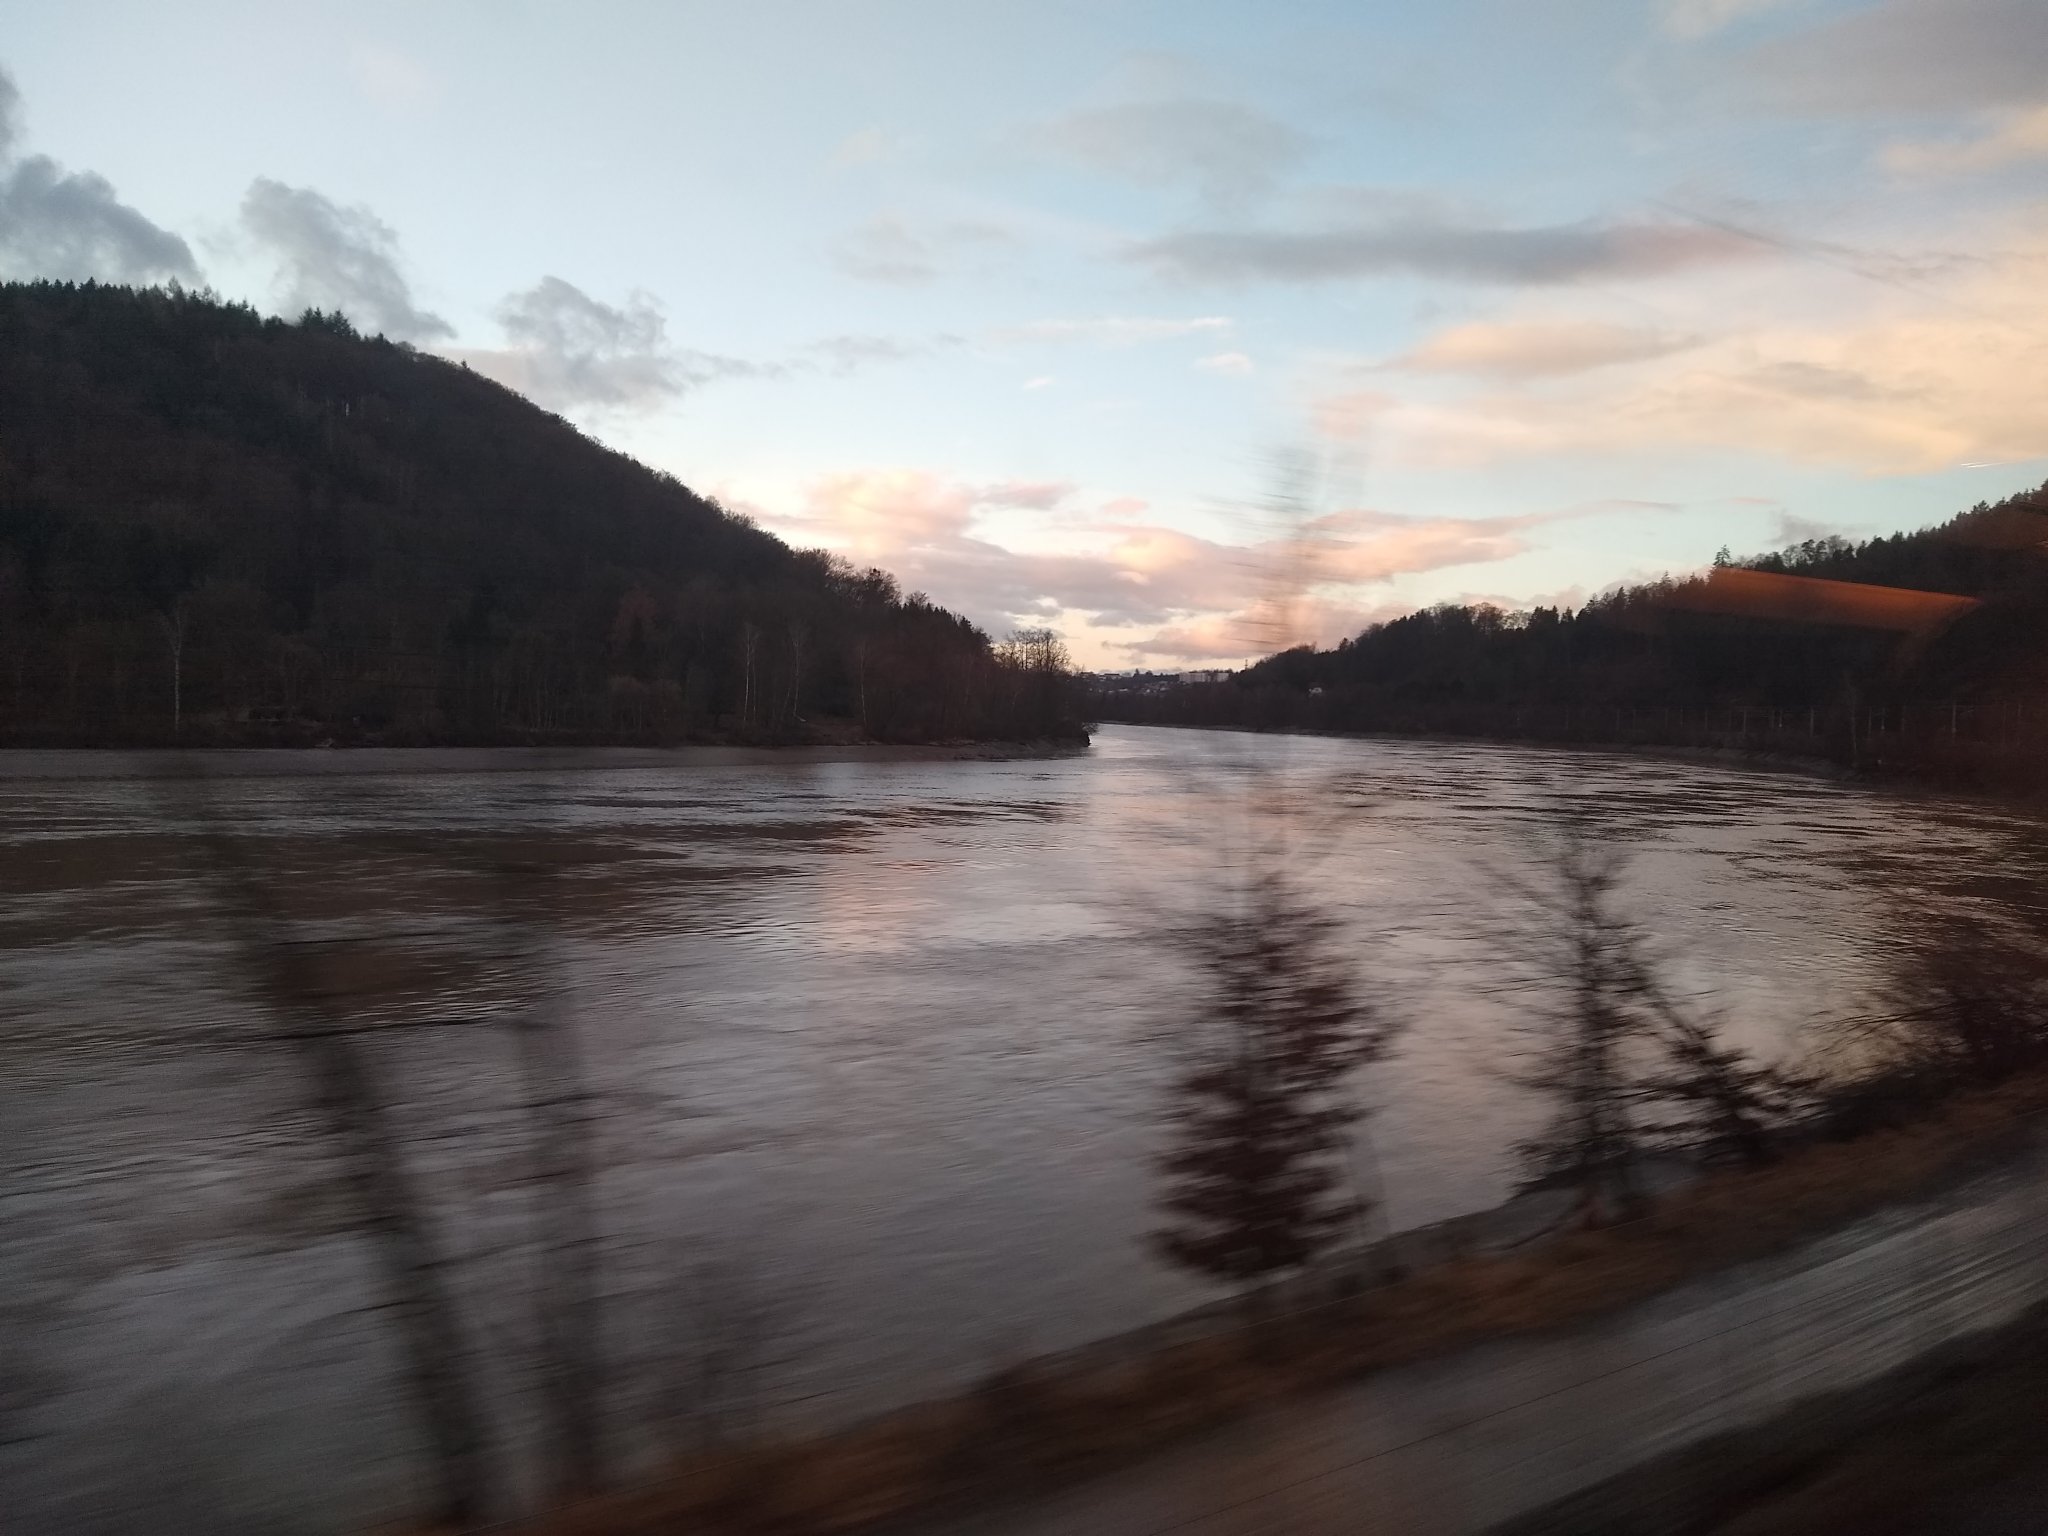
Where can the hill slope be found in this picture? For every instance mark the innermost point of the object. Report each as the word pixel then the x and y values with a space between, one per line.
pixel 255 529
pixel 1825 637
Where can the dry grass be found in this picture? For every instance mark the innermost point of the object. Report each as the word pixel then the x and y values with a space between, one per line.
pixel 1031 1429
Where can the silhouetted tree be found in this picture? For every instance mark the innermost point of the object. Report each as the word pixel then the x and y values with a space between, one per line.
pixel 355 1101
pixel 1256 1181
pixel 1720 1104
pixel 1969 1001
pixel 1624 1066
pixel 558 1112
pixel 1588 1035
pixel 1965 1005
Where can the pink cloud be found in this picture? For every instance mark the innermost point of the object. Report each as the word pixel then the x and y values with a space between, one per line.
pixel 1140 588
pixel 1351 414
pixel 1534 349
pixel 1881 381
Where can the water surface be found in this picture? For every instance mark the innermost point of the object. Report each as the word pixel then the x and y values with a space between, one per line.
pixel 881 1044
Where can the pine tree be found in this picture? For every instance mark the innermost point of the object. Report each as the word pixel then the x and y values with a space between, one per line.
pixel 1256 1182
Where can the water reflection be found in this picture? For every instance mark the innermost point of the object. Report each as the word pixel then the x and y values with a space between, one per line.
pixel 888 1020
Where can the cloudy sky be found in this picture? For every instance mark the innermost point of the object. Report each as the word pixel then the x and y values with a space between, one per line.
pixel 1129 315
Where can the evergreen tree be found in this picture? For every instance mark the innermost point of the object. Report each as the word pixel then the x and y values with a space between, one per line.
pixel 1256 1178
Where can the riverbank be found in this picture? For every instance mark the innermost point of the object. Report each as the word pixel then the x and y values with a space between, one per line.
pixel 264 762
pixel 1118 1402
pixel 213 734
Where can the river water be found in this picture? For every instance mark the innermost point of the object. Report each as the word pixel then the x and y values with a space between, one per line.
pixel 878 1051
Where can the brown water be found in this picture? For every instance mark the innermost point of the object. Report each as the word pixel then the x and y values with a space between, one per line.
pixel 880 1038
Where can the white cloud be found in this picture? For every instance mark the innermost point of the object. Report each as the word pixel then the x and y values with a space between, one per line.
pixel 331 257
pixel 570 352
pixel 1232 364
pixel 70 225
pixel 1788 529
pixel 2009 139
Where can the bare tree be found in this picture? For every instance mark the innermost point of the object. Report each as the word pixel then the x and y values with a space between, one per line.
pixel 750 645
pixel 1040 674
pixel 173 621
pixel 793 705
pixel 1728 1106
pixel 1258 1181
pixel 356 1104
pixel 557 1104
pixel 1626 1067
pixel 1587 1039
pixel 1965 1005
pixel 1969 1000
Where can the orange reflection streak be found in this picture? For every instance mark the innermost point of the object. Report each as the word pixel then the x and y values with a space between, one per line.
pixel 1738 591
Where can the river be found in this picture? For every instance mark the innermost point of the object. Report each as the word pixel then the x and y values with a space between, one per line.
pixel 878 1047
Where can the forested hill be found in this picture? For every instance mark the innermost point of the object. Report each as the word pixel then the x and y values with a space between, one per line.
pixel 217 526
pixel 1943 629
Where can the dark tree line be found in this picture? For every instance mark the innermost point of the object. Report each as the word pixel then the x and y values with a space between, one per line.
pixel 1667 649
pixel 217 526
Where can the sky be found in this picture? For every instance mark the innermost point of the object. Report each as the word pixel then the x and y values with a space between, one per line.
pixel 1190 329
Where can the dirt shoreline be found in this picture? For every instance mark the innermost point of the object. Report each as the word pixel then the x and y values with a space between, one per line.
pixel 265 762
pixel 1115 1403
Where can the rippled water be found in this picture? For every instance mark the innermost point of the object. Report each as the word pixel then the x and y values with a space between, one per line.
pixel 881 1037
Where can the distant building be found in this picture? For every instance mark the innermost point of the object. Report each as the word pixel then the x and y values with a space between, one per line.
pixel 1142 682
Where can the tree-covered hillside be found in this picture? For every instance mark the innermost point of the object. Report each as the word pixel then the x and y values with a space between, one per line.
pixel 1858 634
pixel 217 526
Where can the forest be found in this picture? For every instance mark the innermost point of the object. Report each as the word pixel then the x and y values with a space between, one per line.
pixel 1894 641
pixel 218 527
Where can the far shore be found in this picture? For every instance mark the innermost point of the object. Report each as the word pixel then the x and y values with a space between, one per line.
pixel 1755 759
pixel 265 762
